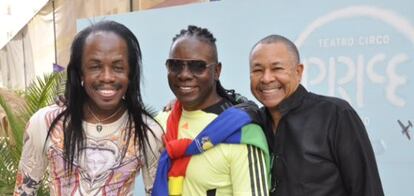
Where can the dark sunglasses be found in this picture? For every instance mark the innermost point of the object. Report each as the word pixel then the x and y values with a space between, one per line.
pixel 196 67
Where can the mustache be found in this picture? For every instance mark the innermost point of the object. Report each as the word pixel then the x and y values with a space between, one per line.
pixel 269 86
pixel 115 86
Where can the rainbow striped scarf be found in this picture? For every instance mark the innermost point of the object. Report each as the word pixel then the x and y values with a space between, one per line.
pixel 174 160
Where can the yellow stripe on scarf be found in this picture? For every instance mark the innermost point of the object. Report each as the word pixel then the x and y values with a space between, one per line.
pixel 175 185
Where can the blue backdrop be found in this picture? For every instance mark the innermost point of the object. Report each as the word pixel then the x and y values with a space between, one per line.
pixel 360 50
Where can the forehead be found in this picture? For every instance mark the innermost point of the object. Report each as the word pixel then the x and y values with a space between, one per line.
pixel 276 51
pixel 190 47
pixel 270 49
pixel 104 41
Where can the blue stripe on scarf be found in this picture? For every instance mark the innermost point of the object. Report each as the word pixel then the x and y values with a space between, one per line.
pixel 161 185
pixel 226 128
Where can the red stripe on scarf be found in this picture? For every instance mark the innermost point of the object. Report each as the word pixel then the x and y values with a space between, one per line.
pixel 176 147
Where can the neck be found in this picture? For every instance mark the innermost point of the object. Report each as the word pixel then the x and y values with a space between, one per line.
pixel 211 100
pixel 95 115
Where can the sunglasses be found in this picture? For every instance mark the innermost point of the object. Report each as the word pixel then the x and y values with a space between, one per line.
pixel 196 67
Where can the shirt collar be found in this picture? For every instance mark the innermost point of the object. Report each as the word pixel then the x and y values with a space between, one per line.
pixel 293 100
pixel 218 107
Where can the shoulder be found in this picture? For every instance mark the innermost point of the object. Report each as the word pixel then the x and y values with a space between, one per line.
pixel 154 136
pixel 334 108
pixel 39 124
pixel 335 102
pixel 251 131
pixel 154 126
pixel 46 114
pixel 162 118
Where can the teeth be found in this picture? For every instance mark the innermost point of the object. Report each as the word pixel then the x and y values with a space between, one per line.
pixel 271 89
pixel 107 92
pixel 186 89
pixel 268 91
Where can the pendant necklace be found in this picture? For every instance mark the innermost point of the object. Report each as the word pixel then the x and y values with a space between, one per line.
pixel 99 125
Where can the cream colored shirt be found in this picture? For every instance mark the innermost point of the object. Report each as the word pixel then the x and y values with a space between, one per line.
pixel 107 165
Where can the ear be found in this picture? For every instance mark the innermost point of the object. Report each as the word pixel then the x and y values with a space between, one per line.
pixel 299 71
pixel 217 71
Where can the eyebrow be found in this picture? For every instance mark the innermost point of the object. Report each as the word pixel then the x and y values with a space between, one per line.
pixel 117 61
pixel 257 65
pixel 276 63
pixel 93 60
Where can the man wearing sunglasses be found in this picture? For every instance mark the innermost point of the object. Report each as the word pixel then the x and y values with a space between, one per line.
pixel 213 149
pixel 196 67
pixel 319 144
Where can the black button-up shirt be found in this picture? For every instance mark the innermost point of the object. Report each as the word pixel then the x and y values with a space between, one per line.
pixel 320 148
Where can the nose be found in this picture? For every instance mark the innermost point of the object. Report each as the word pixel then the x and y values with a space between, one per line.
pixel 267 77
pixel 107 75
pixel 185 73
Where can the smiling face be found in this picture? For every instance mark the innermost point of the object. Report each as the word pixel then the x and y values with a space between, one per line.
pixel 274 74
pixel 105 70
pixel 194 91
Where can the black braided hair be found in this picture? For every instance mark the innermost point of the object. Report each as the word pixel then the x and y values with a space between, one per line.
pixel 204 35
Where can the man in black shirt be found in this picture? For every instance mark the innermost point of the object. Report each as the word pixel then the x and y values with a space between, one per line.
pixel 319 144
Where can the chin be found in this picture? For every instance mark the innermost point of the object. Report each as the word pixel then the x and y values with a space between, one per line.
pixel 270 104
pixel 109 106
pixel 188 104
pixel 190 100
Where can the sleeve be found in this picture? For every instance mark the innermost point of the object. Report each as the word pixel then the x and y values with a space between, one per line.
pixel 33 160
pixel 248 171
pixel 153 152
pixel 355 156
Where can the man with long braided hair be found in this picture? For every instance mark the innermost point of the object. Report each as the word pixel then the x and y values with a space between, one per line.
pixel 100 139
pixel 211 148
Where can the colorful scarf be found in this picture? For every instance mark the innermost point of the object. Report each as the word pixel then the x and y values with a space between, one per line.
pixel 226 128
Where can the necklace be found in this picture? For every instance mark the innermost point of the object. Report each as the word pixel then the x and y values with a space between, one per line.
pixel 99 125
